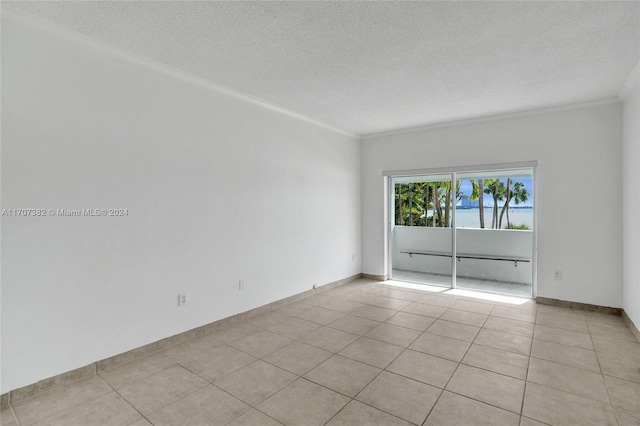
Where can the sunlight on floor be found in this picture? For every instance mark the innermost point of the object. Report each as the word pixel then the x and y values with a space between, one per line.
pixel 415 286
pixel 493 297
pixel 511 289
pixel 488 296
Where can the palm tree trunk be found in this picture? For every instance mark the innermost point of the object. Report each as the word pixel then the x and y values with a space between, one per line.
pixel 436 200
pixel 447 206
pixel 494 214
pixel 410 204
pixel 433 203
pixel 505 208
pixel 481 201
pixel 399 205
pixel 506 204
pixel 494 218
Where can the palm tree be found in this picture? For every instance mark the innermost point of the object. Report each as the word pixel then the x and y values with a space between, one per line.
pixel 519 194
pixel 447 199
pixel 398 204
pixel 436 203
pixel 505 207
pixel 425 199
pixel 478 194
pixel 403 204
pixel 411 203
pixel 496 189
pixel 420 203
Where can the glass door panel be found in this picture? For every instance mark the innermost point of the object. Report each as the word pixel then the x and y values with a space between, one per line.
pixel 421 233
pixel 494 231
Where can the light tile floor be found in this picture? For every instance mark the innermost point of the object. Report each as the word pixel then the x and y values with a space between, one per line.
pixel 376 354
pixel 467 283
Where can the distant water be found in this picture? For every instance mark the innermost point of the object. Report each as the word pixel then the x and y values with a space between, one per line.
pixel 469 218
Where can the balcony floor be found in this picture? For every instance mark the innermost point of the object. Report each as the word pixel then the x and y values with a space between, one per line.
pixel 476 284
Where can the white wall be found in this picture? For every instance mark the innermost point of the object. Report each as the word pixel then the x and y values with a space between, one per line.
pixel 218 190
pixel 509 243
pixel 405 238
pixel 579 153
pixel 631 207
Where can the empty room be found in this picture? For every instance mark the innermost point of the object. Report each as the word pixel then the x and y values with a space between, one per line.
pixel 320 213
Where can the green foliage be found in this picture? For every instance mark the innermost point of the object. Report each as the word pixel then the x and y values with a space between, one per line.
pixel 415 200
pixel 411 199
pixel 521 227
pixel 430 203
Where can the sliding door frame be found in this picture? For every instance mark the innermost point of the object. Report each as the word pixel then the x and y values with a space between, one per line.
pixel 452 172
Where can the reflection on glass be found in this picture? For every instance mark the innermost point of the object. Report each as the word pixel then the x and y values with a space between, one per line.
pixel 507 201
pixel 421 235
pixel 494 238
pixel 426 203
pixel 493 216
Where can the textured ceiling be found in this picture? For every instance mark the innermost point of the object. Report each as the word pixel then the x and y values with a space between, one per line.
pixel 368 67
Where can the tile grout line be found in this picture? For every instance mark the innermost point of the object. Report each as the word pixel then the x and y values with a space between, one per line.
pixel 339 411
pixel 302 376
pixel 530 356
pixel 212 383
pixel 437 400
pixel 405 348
pixel 209 382
pixel 609 395
pixel 450 377
pixel 572 393
pixel 377 375
pixel 526 376
pixel 15 416
pixel 234 319
pixel 335 353
pixel 57 388
pixel 128 403
pixel 565 365
pixel 454 372
pixel 352 398
pixel 505 375
pixel 289 384
pixel 251 406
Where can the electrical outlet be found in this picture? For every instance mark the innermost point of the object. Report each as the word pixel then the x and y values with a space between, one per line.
pixel 557 274
pixel 182 299
pixel 241 285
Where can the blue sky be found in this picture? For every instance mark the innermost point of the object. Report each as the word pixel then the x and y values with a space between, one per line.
pixel 465 188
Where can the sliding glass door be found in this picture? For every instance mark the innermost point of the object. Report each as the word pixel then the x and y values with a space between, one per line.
pixel 465 229
pixel 421 228
pixel 494 231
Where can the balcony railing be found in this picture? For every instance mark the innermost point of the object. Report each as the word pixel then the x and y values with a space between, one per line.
pixel 485 254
